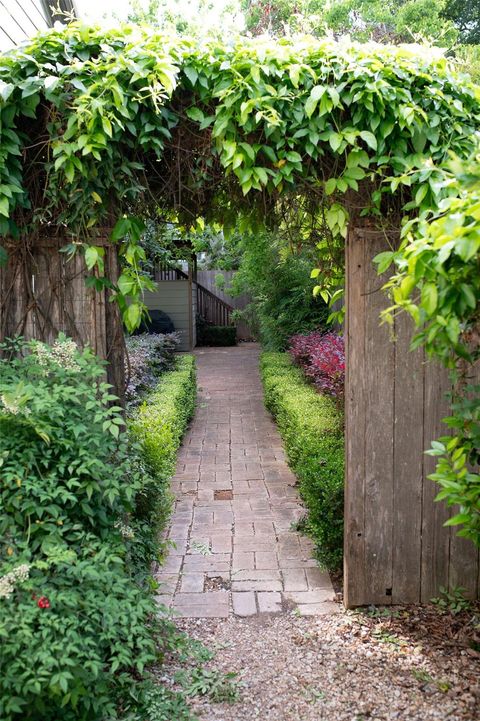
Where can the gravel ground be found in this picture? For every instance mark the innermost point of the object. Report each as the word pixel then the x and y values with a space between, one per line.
pixel 409 665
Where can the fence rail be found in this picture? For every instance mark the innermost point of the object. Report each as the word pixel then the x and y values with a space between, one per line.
pixel 212 308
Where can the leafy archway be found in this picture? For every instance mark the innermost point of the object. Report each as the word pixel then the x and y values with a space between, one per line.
pixel 95 124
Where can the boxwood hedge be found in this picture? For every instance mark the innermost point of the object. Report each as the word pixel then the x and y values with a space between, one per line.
pixel 312 429
pixel 158 425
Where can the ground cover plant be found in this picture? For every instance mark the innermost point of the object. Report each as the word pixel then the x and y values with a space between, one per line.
pixel 148 355
pixel 312 430
pixel 321 356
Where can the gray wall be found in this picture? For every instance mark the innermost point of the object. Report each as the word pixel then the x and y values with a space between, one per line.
pixel 172 296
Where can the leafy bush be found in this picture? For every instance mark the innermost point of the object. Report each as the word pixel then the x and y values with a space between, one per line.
pixel 77 530
pixel 75 629
pixel 457 471
pixel 148 356
pixel 158 425
pixel 216 335
pixel 322 359
pixel 277 277
pixel 312 430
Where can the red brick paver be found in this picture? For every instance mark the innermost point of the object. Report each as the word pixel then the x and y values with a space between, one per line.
pixel 236 550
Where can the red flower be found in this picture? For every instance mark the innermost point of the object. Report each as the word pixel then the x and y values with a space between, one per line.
pixel 43 602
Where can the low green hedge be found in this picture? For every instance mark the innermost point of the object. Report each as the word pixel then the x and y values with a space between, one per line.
pixel 158 425
pixel 216 335
pixel 312 430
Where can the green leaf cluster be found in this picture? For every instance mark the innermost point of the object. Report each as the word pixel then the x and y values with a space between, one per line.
pixel 457 469
pixel 77 513
pixel 96 123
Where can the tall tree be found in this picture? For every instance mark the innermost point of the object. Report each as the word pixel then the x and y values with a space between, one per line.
pixel 465 14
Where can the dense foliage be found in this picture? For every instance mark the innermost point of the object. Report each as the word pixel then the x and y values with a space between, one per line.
pixel 274 270
pixel 79 529
pixel 98 122
pixel 148 356
pixel 438 283
pixel 321 356
pixel 311 426
pixel 391 21
pixel 74 627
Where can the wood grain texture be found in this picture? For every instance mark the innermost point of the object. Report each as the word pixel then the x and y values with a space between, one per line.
pixel 397 549
pixel 407 464
pixel 43 293
pixel 379 409
pixel 355 593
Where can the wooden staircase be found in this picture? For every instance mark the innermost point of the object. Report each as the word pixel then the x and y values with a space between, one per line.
pixel 210 307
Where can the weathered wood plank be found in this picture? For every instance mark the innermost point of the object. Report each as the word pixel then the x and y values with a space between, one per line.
pixel 408 465
pixel 379 410
pixel 435 537
pixel 355 593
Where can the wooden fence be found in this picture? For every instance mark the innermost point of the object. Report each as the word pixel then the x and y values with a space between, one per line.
pixel 397 549
pixel 43 292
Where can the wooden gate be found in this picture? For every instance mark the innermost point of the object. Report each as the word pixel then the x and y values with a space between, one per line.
pixel 43 292
pixel 397 549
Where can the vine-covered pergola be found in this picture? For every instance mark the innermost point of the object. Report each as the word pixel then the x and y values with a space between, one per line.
pixel 101 128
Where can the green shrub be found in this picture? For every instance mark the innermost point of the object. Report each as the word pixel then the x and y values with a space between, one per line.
pixel 276 276
pixel 312 429
pixel 75 629
pixel 216 335
pixel 158 425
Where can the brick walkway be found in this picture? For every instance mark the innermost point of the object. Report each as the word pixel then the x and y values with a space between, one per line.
pixel 236 551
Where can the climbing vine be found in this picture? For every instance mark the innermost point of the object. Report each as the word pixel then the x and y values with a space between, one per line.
pixel 438 283
pixel 97 125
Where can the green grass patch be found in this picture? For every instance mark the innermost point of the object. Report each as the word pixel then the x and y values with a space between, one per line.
pixel 312 430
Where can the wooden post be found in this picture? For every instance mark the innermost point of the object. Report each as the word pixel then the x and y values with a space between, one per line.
pixel 44 293
pixel 397 549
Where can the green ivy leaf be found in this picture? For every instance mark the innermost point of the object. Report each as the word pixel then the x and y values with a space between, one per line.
pixel 429 298
pixel 369 138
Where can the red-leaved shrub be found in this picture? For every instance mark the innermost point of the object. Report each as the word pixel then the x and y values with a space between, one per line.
pixel 322 358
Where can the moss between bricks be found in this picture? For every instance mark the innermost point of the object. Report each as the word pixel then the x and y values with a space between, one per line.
pixel 312 430
pixel 158 425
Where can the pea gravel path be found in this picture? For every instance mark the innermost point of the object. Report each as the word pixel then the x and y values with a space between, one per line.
pixel 343 667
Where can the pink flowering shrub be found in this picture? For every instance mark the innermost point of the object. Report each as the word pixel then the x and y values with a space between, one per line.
pixel 321 356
